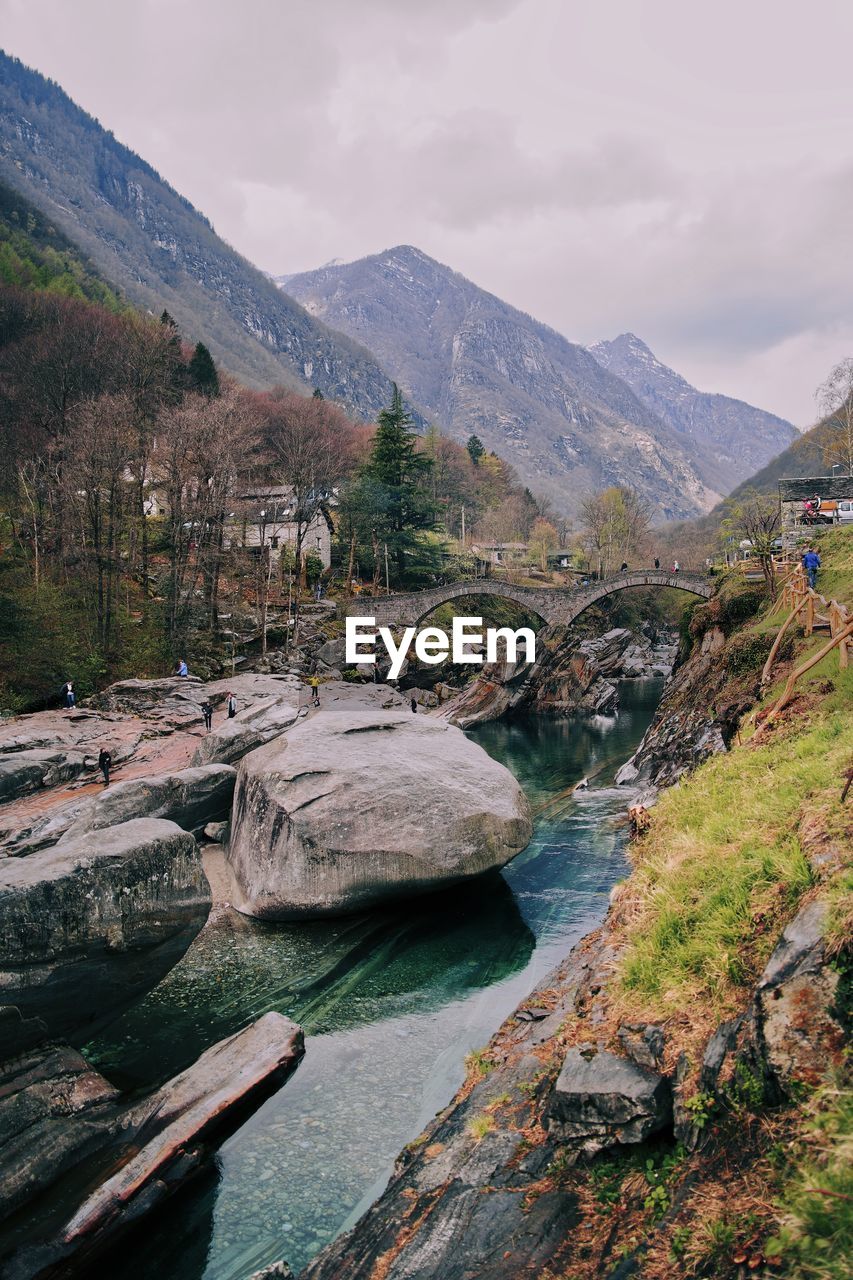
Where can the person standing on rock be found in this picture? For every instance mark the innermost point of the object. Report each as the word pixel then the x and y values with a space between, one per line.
pixel 232 706
pixel 314 682
pixel 181 668
pixel 414 706
pixel 675 566
pixel 657 562
pixel 624 566
pixel 69 696
pixel 104 762
pixel 207 712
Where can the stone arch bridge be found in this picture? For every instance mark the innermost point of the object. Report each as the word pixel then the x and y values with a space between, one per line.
pixel 558 605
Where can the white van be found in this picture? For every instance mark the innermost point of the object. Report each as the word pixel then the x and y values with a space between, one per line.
pixel 844 511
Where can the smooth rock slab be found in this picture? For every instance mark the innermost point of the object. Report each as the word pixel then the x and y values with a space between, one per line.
pixel 191 798
pixel 145 1151
pixel 606 1101
pixel 250 728
pixel 88 924
pixel 353 807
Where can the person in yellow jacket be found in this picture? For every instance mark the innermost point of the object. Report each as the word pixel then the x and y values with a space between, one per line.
pixel 314 682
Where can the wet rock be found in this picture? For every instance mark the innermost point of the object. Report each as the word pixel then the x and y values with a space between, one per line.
pixel 252 727
pixel 275 1271
pixel 54 1110
pixel 356 806
pixel 627 775
pixel 190 798
pixel 605 1101
pixel 146 1150
pixel 89 923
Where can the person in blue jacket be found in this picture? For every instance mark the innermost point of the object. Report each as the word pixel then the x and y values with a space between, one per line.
pixel 811 564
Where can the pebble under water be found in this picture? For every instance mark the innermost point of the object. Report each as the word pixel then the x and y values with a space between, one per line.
pixel 390 1004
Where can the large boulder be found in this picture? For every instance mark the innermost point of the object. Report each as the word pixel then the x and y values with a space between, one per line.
pixel 89 923
pixel 25 771
pixel 796 1022
pixel 356 806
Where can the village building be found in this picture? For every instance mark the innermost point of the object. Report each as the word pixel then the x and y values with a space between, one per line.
pixel 835 494
pixel 265 516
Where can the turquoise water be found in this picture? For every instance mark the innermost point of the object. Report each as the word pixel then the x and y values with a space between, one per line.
pixel 390 1004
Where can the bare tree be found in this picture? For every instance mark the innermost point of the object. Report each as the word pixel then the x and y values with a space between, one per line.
pixel 308 444
pixel 203 444
pixel 835 403
pixel 615 526
pixel 99 484
pixel 755 517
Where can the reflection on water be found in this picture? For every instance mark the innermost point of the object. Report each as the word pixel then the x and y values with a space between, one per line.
pixel 390 1003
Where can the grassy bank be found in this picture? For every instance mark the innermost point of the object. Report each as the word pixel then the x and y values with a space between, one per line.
pixel 723 865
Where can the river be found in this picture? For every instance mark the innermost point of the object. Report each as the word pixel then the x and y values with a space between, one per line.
pixel 390 1004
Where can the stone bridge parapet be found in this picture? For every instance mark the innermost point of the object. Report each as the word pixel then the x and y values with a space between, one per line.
pixel 558 605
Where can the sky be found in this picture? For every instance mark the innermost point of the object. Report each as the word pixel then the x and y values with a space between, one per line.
pixel 678 170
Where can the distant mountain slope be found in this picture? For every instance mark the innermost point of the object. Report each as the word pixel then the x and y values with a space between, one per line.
pixel 735 438
pixel 805 457
pixel 475 364
pixel 161 252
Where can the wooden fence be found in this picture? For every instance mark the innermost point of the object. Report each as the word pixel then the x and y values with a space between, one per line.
pixel 812 611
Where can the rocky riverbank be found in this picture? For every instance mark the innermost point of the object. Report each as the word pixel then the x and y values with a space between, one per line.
pixel 102 889
pixel 571 676
pixel 652 1108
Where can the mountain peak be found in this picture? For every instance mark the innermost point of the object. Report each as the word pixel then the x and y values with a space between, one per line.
pixel 739 438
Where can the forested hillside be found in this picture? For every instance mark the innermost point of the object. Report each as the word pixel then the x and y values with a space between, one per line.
pixel 127 465
pixel 161 252
pixel 34 253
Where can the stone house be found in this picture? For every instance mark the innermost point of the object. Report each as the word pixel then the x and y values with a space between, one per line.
pixel 264 516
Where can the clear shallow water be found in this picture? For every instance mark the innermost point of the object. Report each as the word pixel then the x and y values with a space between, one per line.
pixel 390 1004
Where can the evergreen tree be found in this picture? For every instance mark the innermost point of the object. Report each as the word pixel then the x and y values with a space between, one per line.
pixel 405 510
pixel 202 371
pixel 476 449
pixel 318 395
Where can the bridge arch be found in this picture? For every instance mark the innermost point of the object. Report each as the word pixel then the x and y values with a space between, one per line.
pixel 559 605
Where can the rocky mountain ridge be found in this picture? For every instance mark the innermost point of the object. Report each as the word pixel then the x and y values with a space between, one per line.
pixel 475 364
pixel 147 239
pixel 735 438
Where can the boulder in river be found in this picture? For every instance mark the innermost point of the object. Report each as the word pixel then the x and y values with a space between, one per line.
pixel 89 923
pixel 355 806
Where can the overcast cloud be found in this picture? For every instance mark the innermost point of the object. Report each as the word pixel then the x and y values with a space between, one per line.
pixel 685 172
